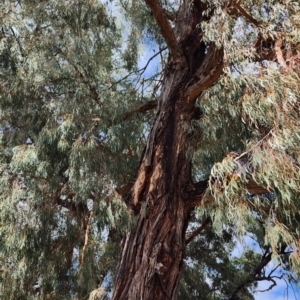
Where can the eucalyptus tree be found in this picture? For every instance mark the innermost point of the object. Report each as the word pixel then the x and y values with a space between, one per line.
pixel 95 154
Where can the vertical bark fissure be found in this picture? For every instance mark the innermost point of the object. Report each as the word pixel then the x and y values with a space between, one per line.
pixel 157 244
pixel 152 257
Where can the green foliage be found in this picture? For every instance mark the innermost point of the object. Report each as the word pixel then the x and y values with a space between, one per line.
pixel 211 272
pixel 69 76
pixel 62 141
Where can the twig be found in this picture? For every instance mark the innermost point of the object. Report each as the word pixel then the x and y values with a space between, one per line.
pixel 141 71
pixel 86 237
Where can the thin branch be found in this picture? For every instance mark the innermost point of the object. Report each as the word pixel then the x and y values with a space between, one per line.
pixel 246 14
pixel 140 71
pixel 90 87
pixel 274 270
pixel 270 287
pixel 140 109
pixel 86 237
pixel 195 233
pixel 165 27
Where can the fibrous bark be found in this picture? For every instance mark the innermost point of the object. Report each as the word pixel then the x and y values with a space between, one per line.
pixel 152 256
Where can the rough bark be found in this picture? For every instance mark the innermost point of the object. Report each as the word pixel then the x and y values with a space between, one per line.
pixel 152 255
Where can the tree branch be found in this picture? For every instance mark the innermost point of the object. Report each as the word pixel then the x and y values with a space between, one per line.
pixel 246 14
pixel 195 192
pixel 195 233
pixel 170 15
pixel 251 278
pixel 254 188
pixel 125 189
pixel 208 73
pixel 270 49
pixel 92 89
pixel 236 10
pixel 140 109
pixel 71 206
pixel 165 27
pixel 254 275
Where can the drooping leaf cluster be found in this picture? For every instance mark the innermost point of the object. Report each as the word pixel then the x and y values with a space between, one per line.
pixel 64 146
pixel 250 127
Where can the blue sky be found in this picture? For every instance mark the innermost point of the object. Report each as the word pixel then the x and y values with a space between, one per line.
pixel 279 292
pixel 282 291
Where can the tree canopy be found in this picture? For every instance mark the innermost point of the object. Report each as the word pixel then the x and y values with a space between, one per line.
pixel 80 116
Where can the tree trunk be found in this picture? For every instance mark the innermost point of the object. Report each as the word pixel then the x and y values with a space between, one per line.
pixel 153 253
pixel 152 257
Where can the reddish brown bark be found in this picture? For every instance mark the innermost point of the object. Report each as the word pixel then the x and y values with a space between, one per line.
pixel 152 256
pixel 153 253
